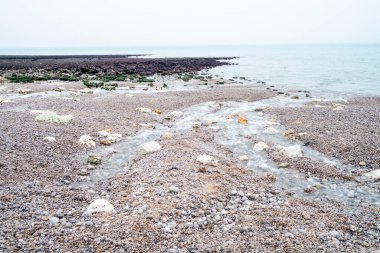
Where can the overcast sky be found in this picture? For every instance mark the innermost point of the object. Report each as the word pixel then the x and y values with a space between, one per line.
pixel 115 23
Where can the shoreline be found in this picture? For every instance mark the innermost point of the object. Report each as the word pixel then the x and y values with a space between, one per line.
pixel 243 198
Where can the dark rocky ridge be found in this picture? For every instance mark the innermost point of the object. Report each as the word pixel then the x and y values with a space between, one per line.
pixel 103 64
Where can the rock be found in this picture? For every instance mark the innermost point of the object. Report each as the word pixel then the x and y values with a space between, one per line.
pixel 176 114
pixel 92 159
pixel 334 233
pixel 50 116
pixel 59 89
pixel 260 146
pixel 87 140
pixel 290 151
pixel 270 130
pixel 157 111
pixel 54 220
pixel 375 174
pixel 362 164
pixel 290 133
pixel 99 205
pixel 243 158
pixel 167 135
pixel 24 91
pixel 149 147
pixel 337 107
pixel 283 165
pixel 110 137
pixel 295 97
pixel 207 160
pixel 4 100
pixel 197 124
pixel 144 110
pixel 86 91
pixel 173 189
pixel 49 139
pixel 242 120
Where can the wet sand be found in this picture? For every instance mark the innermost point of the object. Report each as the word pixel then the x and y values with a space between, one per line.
pixel 167 201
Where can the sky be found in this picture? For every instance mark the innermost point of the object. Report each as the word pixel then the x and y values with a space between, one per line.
pixel 118 23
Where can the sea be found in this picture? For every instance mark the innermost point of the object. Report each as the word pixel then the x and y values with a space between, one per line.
pixel 328 70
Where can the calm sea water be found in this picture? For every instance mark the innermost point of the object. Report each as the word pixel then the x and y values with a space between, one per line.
pixel 324 69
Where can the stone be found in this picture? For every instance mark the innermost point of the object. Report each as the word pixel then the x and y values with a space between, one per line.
pixel 24 91
pixel 110 137
pixel 290 151
pixel 86 91
pixel 283 165
pixel 243 158
pixel 207 160
pixel 144 110
pixel 87 140
pixel 92 159
pixel 362 164
pixel 49 139
pixel 270 130
pixel 334 233
pixel 176 114
pixel 375 174
pixel 149 147
pixel 54 220
pixel 260 146
pixel 50 116
pixel 99 205
pixel 197 124
pixel 173 189
pixel 167 135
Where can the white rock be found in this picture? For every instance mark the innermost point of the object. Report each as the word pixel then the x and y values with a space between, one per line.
pixel 49 139
pixel 270 130
pixel 149 147
pixel 50 116
pixel 4 100
pixel 144 110
pixel 197 124
pixel 243 158
pixel 110 136
pixel 173 189
pixel 86 91
pixel 87 140
pixel 129 95
pixel 260 146
pixel 176 114
pixel 99 205
pixel 375 174
pixel 54 220
pixel 207 160
pixel 290 151
pixel 167 135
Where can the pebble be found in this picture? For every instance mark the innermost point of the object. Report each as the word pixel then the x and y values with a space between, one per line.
pixel 149 147
pixel 173 189
pixel 207 160
pixel 54 220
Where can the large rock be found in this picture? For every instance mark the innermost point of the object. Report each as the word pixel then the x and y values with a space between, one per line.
pixel 260 146
pixel 290 151
pixel 50 116
pixel 87 140
pixel 99 205
pixel 144 110
pixel 207 160
pixel 270 130
pixel 375 174
pixel 176 114
pixel 149 147
pixel 112 138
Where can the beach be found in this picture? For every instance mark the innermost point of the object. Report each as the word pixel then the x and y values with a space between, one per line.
pixel 129 154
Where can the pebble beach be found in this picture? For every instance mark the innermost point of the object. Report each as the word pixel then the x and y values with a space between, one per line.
pixel 152 155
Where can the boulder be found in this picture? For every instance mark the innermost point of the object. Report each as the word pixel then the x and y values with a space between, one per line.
pixel 375 174
pixel 290 151
pixel 49 139
pixel 87 140
pixel 99 205
pixel 144 110
pixel 149 147
pixel 50 116
pixel 207 160
pixel 260 146
pixel 270 130
pixel 176 114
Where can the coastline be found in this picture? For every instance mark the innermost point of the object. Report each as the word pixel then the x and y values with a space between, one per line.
pixel 170 201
